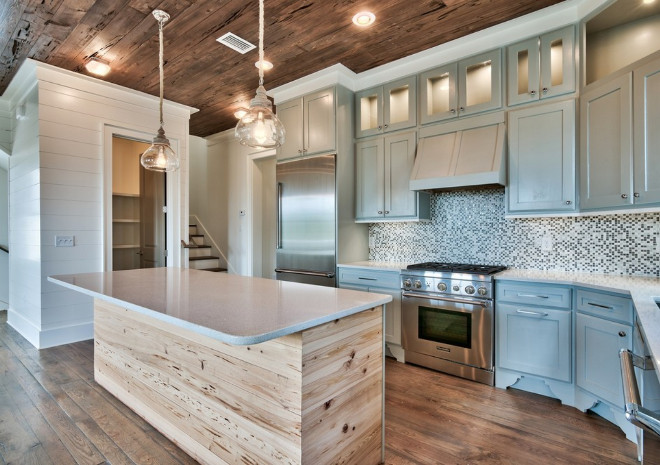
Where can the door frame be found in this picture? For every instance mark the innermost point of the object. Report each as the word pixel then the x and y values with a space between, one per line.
pixel 172 198
pixel 251 201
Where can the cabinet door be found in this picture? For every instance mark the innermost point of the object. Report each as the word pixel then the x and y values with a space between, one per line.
pixel 597 345
pixel 369 112
pixel 534 340
pixel 647 135
pixel 557 62
pixel 523 71
pixel 400 201
pixel 542 158
pixel 480 83
pixel 291 115
pixel 399 104
pixel 392 314
pixel 369 182
pixel 438 96
pixel 606 144
pixel 319 122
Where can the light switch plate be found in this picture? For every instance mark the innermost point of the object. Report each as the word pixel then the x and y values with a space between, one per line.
pixel 64 241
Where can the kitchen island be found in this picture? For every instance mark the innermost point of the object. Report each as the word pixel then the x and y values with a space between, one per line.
pixel 242 370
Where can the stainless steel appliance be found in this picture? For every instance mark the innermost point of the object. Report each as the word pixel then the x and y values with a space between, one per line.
pixel 306 220
pixel 448 318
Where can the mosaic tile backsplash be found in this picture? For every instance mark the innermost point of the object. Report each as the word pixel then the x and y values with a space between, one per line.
pixel 469 227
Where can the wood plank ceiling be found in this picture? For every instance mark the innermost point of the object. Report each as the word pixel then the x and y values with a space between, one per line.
pixel 301 37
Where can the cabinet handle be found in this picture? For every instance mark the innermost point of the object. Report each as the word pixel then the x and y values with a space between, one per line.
pixel 624 196
pixel 367 279
pixel 636 195
pixel 568 202
pixel 600 306
pixel 545 90
pixel 529 312
pixel 534 296
pixel 622 333
pixel 532 92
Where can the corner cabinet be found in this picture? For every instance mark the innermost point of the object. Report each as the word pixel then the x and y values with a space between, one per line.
pixel 463 88
pixel 383 167
pixel 386 108
pixel 381 282
pixel 542 160
pixel 619 140
pixel 542 67
pixel 309 122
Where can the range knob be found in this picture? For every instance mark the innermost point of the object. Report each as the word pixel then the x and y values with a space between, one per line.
pixel 456 287
pixel 442 287
pixel 469 289
pixel 482 291
pixel 418 284
pixel 407 283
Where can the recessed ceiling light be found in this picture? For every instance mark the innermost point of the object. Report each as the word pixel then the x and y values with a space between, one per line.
pixel 240 113
pixel 266 65
pixel 648 2
pixel 97 66
pixel 364 18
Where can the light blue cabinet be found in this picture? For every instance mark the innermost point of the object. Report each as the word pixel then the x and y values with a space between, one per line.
pixel 534 340
pixel 542 164
pixel 386 108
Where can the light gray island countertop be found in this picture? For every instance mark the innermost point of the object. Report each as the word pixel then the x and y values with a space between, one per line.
pixel 234 309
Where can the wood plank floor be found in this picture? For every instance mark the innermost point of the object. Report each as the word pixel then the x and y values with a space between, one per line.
pixel 52 412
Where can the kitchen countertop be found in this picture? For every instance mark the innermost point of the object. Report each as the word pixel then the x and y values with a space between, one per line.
pixel 230 308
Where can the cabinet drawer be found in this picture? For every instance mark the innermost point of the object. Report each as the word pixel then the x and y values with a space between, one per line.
pixel 602 305
pixel 370 278
pixel 533 294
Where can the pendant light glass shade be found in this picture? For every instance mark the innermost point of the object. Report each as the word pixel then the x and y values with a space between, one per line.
pixel 260 127
pixel 160 156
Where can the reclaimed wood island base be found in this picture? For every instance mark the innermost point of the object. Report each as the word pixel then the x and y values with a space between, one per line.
pixel 314 396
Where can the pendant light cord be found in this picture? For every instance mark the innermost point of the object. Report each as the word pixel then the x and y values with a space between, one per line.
pixel 261 42
pixel 160 67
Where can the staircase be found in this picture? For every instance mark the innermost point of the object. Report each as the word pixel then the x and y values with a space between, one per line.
pixel 200 254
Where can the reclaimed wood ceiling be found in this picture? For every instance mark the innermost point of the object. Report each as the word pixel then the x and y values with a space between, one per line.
pixel 301 37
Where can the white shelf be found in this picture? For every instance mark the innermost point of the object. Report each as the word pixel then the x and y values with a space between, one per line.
pixel 126 220
pixel 126 246
pixel 121 194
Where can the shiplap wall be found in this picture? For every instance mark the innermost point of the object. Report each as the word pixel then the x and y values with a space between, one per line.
pixel 4 236
pixel 6 125
pixel 58 186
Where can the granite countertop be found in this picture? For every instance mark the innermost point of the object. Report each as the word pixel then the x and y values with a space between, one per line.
pixel 643 290
pixel 234 309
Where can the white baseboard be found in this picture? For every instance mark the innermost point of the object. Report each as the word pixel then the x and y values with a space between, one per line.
pixel 44 338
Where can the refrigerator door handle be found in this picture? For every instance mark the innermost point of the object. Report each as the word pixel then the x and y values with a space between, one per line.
pixel 278 219
pixel 323 274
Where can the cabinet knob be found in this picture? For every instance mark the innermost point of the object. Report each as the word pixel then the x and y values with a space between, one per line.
pixel 386 126
pixel 300 151
pixel 636 195
pixel 545 90
pixel 624 196
pixel 622 333
pixel 532 92
pixel 387 212
pixel 461 109
pixel 568 202
pixel 380 212
pixel 380 128
pixel 452 111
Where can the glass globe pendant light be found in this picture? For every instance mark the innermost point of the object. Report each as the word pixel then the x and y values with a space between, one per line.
pixel 160 156
pixel 260 127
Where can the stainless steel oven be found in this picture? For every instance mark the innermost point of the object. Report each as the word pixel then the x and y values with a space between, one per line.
pixel 448 320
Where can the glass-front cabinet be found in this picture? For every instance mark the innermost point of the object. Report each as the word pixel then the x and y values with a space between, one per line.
pixel 386 108
pixel 542 67
pixel 462 88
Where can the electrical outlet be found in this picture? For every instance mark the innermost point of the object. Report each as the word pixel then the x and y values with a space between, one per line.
pixel 64 241
pixel 546 243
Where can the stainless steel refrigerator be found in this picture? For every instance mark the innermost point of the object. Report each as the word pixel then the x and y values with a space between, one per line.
pixel 306 220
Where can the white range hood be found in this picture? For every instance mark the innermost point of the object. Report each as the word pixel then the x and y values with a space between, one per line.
pixel 462 153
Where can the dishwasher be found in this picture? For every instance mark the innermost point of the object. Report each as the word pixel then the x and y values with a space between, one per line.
pixel 646 417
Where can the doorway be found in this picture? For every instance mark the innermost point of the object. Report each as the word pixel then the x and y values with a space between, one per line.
pixel 138 216
pixel 264 208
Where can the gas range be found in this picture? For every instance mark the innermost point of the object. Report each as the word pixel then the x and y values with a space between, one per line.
pixel 457 279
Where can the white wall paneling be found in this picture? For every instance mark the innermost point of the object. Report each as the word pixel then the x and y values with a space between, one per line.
pixel 4 231
pixel 60 185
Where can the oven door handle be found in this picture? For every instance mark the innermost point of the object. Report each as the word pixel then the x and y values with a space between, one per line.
pixel 444 299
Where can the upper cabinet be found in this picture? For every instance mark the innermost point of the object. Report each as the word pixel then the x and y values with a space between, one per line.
pixel 542 67
pixel 462 88
pixel 310 125
pixel 542 158
pixel 386 108
pixel 619 140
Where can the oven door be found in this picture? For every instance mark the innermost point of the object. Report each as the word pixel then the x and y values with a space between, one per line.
pixel 455 329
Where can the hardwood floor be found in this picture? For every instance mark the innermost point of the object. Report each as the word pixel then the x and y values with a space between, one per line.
pixel 52 412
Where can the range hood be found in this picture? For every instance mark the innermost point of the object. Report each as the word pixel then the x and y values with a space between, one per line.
pixel 463 153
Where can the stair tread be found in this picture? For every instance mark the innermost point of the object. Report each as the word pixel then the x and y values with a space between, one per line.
pixel 195 235
pixel 217 270
pixel 203 257
pixel 197 246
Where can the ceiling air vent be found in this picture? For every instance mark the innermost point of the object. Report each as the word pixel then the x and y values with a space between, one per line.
pixel 233 41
